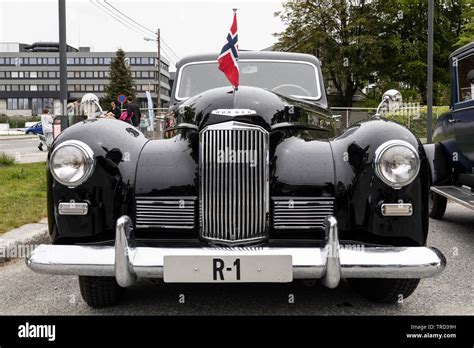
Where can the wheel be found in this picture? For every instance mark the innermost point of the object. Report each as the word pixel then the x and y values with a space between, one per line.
pixel 100 292
pixel 384 290
pixel 40 147
pixel 437 205
pixel 29 132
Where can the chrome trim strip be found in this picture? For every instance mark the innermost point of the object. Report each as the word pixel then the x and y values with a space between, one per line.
pixel 73 208
pixel 301 212
pixel 126 262
pixel 176 212
pixel 396 209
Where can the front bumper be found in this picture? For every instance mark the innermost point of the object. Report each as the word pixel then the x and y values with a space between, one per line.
pixel 330 263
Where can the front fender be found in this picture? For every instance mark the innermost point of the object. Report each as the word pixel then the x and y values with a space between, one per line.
pixel 116 146
pixel 360 193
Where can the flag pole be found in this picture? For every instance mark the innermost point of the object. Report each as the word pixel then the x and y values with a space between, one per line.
pixel 235 88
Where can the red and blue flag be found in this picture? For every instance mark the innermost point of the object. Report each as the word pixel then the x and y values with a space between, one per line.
pixel 229 57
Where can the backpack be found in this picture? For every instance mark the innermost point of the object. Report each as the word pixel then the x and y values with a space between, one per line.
pixel 125 117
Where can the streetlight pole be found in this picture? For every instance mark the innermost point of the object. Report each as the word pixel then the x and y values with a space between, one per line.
pixel 159 68
pixel 62 61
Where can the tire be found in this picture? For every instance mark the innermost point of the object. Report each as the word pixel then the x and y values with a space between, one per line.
pixel 29 132
pixel 99 292
pixel 437 205
pixel 384 290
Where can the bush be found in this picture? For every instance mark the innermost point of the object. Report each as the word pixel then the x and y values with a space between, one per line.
pixel 417 122
pixel 6 160
pixel 18 121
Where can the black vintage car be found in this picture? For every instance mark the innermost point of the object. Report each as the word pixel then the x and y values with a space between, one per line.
pixel 452 154
pixel 252 185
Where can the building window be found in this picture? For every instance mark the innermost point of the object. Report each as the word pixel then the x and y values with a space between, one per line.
pixel 12 104
pixel 96 61
pixel 15 88
pixel 107 74
pixel 33 88
pixel 77 88
pixel 89 61
pixel 101 61
pixel 51 74
pixel 27 87
pixel 2 74
pixel 14 74
pixel 27 74
pixel 2 61
pixel 70 74
pixel 101 74
pixel 89 74
pixel 2 87
pixel 70 61
pixel 107 61
pixel 101 88
pixel 83 74
pixel 70 88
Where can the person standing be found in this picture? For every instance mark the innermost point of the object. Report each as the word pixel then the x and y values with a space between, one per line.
pixel 114 110
pixel 47 124
pixel 133 112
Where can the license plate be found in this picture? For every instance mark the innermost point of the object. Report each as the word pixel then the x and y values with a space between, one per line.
pixel 228 269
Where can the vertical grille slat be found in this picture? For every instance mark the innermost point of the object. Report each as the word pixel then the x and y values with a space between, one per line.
pixel 234 181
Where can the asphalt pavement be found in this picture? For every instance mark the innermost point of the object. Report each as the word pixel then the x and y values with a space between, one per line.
pixel 452 293
pixel 23 148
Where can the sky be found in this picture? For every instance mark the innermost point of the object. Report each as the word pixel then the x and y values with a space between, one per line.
pixel 187 27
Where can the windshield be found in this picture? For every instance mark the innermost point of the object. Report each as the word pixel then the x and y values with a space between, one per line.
pixel 291 78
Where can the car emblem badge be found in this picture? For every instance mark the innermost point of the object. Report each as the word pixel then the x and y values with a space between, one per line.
pixel 234 112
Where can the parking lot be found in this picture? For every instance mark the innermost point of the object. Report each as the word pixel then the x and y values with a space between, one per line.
pixel 451 293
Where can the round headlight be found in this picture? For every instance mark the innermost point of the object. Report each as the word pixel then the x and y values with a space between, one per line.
pixel 396 163
pixel 72 163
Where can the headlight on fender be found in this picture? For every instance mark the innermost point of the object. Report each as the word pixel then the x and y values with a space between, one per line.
pixel 72 162
pixel 396 163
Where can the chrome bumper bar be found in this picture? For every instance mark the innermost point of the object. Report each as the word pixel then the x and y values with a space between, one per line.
pixel 126 262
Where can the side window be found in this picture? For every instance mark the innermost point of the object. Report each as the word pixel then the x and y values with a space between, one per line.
pixel 466 78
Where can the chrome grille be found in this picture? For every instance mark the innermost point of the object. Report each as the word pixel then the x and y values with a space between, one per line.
pixel 234 182
pixel 301 212
pixel 165 212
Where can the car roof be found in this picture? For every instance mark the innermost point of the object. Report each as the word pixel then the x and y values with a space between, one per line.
pixel 459 51
pixel 271 55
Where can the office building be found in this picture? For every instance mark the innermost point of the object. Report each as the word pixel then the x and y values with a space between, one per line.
pixel 29 76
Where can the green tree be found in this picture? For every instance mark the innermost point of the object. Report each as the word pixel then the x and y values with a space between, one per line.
pixel 345 36
pixel 120 79
pixel 382 41
pixel 467 24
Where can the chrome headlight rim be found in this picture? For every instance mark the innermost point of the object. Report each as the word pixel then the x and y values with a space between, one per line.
pixel 89 157
pixel 378 157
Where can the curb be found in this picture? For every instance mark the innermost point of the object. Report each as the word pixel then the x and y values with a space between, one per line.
pixel 18 243
pixel 16 137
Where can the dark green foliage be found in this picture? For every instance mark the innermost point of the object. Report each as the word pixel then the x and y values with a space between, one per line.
pixel 378 41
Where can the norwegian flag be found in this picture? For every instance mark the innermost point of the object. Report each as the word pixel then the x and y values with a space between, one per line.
pixel 229 57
